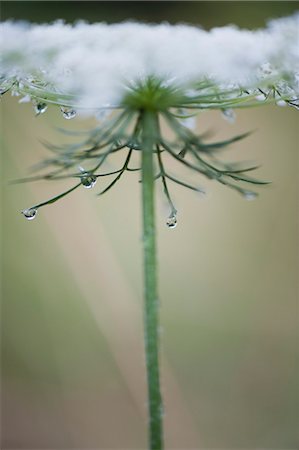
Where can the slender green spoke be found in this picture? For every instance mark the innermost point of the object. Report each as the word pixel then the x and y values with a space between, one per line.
pixel 121 171
pixel 163 175
pixel 57 197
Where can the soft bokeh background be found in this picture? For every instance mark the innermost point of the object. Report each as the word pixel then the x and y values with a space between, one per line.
pixel 72 351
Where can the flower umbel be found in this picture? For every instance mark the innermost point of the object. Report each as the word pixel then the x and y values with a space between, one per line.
pixel 174 71
pixel 91 65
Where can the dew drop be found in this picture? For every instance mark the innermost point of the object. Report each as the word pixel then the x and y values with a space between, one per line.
pixel 281 103
pixel 229 115
pixel 261 97
pixel 171 221
pixel 68 113
pixel 88 181
pixel 29 213
pixel 40 108
pixel 249 195
pixel 133 144
pixel 25 99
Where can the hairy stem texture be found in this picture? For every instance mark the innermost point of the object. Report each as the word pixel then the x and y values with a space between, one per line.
pixel 151 306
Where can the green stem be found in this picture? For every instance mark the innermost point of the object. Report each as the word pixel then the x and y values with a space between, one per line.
pixel 151 321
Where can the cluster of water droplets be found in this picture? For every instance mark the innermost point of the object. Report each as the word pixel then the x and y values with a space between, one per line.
pixel 281 93
pixel 40 106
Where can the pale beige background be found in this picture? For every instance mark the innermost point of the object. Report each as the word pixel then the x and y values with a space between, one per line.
pixel 73 371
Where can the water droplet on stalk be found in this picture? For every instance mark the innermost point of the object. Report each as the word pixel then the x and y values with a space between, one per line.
pixel 229 115
pixel 249 195
pixel 68 113
pixel 88 181
pixel 40 108
pixel 171 221
pixel 261 97
pixel 25 99
pixel 281 103
pixel 29 213
pixel 133 144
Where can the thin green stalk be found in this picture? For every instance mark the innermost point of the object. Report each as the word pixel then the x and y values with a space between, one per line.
pixel 151 306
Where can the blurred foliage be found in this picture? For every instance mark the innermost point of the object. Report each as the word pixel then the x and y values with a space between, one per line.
pixel 206 13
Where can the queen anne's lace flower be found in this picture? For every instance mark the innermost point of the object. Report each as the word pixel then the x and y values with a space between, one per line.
pixel 151 75
pixel 96 63
pixel 170 72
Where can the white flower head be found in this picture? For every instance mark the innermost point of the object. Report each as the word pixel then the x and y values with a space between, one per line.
pixel 96 62
pixel 148 73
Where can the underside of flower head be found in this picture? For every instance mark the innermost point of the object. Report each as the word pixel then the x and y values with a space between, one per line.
pixel 84 161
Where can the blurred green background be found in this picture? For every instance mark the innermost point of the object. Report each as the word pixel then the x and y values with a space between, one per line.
pixel 72 350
